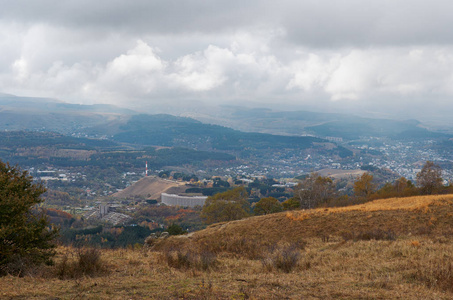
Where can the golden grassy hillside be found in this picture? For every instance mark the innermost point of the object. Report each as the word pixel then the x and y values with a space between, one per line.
pixel 385 249
pixel 425 215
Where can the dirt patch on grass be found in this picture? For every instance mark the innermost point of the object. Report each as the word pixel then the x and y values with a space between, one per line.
pixel 150 187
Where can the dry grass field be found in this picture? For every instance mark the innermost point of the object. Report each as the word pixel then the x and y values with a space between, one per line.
pixel 386 249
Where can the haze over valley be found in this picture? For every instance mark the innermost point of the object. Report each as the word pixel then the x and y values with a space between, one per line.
pixel 276 143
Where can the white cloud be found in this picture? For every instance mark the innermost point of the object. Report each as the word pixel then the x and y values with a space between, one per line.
pixel 237 72
pixel 202 71
pixel 139 61
pixel 225 72
pixel 311 71
pixel 359 74
pixel 137 72
pixel 20 69
pixel 353 75
pixel 296 52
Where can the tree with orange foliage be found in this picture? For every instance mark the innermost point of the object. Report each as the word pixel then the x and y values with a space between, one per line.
pixel 364 186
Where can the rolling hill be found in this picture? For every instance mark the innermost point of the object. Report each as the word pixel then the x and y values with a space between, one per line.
pixel 346 126
pixel 167 130
pixel 127 127
pixel 44 114
pixel 431 215
pixel 29 113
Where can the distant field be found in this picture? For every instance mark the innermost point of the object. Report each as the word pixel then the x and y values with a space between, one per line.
pixel 149 187
pixel 44 152
pixel 336 173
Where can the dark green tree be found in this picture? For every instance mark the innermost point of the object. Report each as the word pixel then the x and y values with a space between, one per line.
pixel 268 205
pixel 227 206
pixel 291 204
pixel 26 238
pixel 175 229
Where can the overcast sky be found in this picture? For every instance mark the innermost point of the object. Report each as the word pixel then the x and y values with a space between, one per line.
pixel 377 56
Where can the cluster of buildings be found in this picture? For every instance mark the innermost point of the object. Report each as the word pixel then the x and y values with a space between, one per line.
pixel 107 214
pixel 402 158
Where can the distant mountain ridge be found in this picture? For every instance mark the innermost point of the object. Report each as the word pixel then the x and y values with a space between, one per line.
pixel 124 125
pixel 347 127
pixel 137 131
pixel 11 102
pixel 168 130
pixel 43 114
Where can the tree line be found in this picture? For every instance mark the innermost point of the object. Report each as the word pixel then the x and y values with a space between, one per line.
pixel 320 191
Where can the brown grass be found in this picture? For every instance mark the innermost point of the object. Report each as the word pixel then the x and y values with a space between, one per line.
pixel 414 266
pixel 190 259
pixel 337 269
pixel 428 215
pixel 285 258
pixel 409 203
pixel 81 262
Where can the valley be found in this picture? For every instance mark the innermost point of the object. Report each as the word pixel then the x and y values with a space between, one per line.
pixel 226 150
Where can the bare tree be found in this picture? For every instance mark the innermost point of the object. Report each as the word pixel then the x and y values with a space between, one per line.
pixel 314 190
pixel 429 179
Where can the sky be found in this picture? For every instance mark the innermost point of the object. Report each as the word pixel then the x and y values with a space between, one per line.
pixel 384 58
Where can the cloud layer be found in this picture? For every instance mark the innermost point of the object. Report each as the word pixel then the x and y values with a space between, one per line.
pixel 385 54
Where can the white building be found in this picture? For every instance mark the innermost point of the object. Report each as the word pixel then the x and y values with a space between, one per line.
pixel 185 201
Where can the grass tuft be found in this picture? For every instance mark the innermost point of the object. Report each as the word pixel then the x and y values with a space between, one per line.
pixel 436 273
pixel 283 259
pixel 87 262
pixel 374 234
pixel 189 259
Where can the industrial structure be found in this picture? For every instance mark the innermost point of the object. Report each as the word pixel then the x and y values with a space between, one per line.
pixel 185 201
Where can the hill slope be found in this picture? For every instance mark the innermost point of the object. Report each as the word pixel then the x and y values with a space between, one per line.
pixel 416 266
pixel 43 114
pixel 401 216
pixel 149 187
pixel 167 130
pixel 31 113
pixel 321 124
